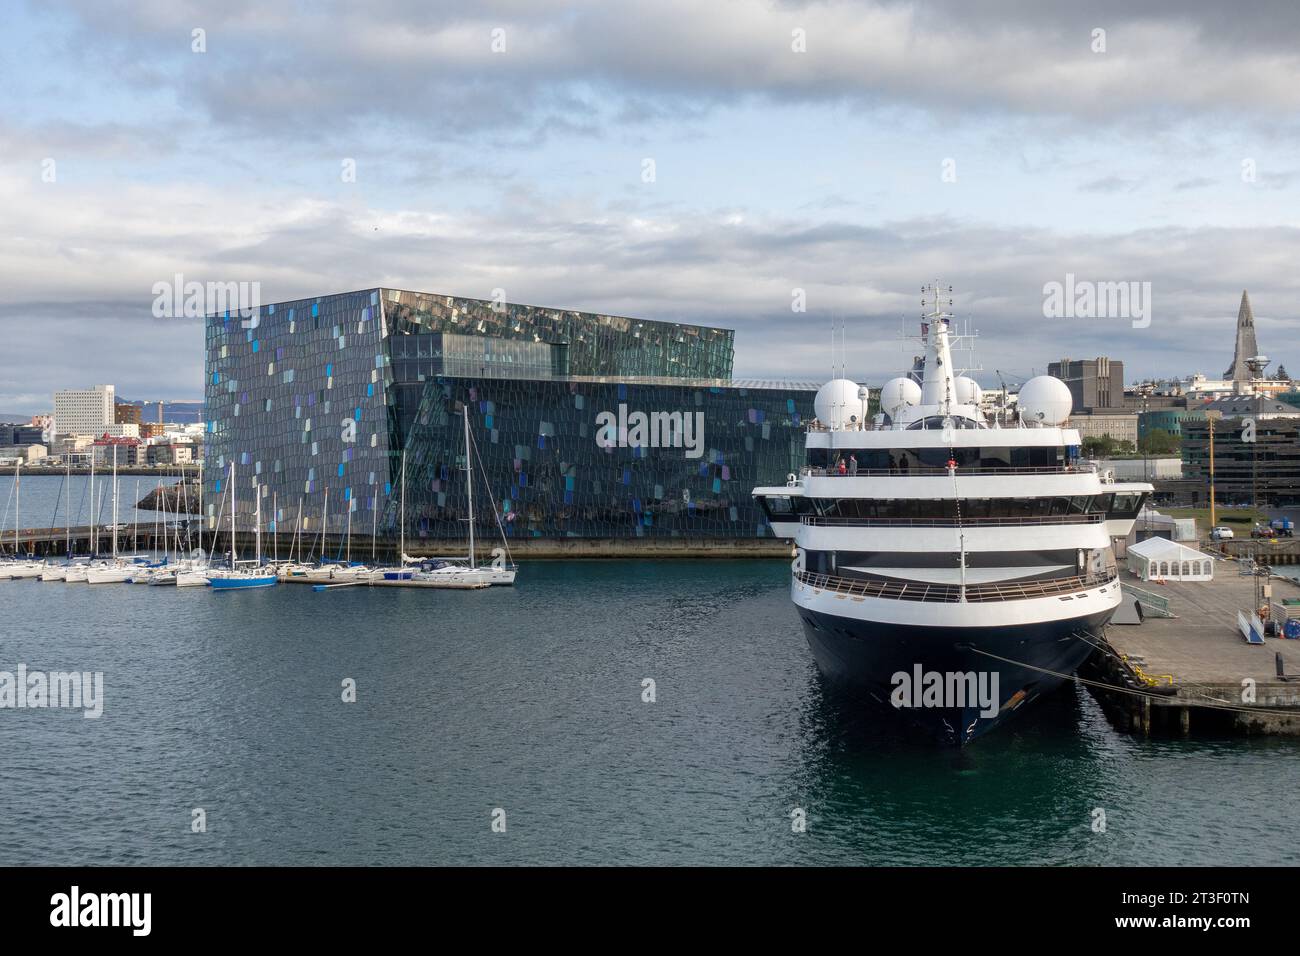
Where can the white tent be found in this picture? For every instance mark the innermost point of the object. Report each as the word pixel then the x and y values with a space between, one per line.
pixel 1162 559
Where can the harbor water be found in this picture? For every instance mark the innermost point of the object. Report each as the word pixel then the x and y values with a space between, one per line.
pixel 531 705
pixel 46 502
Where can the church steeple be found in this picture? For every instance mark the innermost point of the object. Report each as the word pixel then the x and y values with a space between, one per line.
pixel 1247 348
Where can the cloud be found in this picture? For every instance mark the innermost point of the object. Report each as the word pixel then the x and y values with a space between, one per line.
pixel 485 170
pixel 1110 184
pixel 326 69
pixel 83 273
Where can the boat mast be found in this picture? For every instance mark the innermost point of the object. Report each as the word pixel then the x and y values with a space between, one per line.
pixel 67 506
pixel 257 520
pixel 94 538
pixel 469 487
pixel 297 535
pixel 176 513
pixel 135 527
pixel 348 557
pixel 18 497
pixel 401 559
pixel 374 522
pixel 234 554
pixel 115 500
pixel 324 523
pixel 275 524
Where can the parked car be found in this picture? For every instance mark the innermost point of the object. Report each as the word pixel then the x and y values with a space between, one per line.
pixel 1262 531
pixel 1222 534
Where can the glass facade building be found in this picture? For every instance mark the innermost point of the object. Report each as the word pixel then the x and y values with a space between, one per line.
pixel 588 426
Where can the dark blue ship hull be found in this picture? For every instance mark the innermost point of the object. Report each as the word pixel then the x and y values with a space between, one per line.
pixel 865 656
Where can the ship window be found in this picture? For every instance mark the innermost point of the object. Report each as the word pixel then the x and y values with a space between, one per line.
pixel 777 505
pixel 946 508
pixel 1127 505
pixel 997 457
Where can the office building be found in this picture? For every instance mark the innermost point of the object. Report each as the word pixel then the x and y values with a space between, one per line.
pixel 1094 383
pixel 328 395
pixel 84 411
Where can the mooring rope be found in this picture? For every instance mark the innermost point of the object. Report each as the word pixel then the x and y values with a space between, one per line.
pixel 1209 702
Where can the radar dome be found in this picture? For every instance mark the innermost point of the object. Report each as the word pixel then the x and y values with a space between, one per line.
pixel 1045 399
pixel 968 390
pixel 837 403
pixel 898 393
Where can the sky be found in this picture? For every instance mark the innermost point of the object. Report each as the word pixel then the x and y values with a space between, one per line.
pixel 682 161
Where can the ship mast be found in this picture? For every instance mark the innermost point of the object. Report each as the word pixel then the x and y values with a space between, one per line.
pixel 938 385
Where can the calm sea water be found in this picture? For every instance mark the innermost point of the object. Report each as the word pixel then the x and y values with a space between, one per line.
pixel 530 699
pixel 46 502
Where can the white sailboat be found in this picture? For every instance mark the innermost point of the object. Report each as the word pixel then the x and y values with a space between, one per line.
pixel 19 568
pixel 455 573
pixel 237 578
pixel 115 571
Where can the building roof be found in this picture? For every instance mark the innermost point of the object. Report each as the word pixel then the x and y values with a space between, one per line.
pixel 1249 405
pixel 107 439
pixel 1166 550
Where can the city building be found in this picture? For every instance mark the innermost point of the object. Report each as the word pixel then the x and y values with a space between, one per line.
pixel 178 453
pixel 26 453
pixel 77 446
pixel 84 411
pixel 1167 420
pixel 122 451
pixel 1120 426
pixel 586 426
pixel 125 413
pixel 14 433
pixel 1094 383
pixel 1144 469
pixel 1256 451
pixel 1253 406
pixel 1246 374
pixel 120 430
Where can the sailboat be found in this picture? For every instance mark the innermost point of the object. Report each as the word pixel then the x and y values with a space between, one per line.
pixel 237 577
pixel 116 571
pixel 409 573
pixel 59 572
pixel 469 572
pixel 465 573
pixel 19 568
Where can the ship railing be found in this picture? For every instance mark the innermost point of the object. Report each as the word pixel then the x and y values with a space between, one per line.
pixel 962 471
pixel 1008 522
pixel 952 593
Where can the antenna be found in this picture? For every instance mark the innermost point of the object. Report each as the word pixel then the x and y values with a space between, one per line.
pixel 844 348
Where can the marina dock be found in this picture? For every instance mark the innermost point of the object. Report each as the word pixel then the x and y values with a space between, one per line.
pixel 51 542
pixel 1192 667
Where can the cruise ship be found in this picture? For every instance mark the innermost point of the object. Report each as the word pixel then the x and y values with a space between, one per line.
pixel 949 564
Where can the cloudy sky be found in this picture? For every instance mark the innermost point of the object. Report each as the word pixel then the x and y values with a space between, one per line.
pixel 852 150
